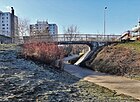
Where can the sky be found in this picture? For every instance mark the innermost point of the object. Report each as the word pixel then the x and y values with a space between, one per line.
pixel 88 15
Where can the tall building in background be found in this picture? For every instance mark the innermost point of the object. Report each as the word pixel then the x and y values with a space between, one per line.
pixel 8 24
pixel 53 29
pixel 40 28
pixel 43 28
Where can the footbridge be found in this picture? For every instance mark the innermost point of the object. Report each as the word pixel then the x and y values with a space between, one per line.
pixel 92 40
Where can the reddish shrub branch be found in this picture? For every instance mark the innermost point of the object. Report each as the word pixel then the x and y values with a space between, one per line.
pixel 43 51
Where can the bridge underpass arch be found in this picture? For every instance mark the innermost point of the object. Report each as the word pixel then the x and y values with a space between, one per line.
pixel 92 45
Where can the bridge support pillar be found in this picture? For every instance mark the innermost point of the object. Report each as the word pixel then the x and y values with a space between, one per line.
pixel 94 46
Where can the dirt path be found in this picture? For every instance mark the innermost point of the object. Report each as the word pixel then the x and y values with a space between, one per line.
pixel 121 85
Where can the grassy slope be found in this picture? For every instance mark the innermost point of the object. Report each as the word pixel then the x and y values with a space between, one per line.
pixel 135 46
pixel 120 59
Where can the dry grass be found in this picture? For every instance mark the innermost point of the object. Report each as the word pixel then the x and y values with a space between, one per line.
pixel 135 46
pixel 121 59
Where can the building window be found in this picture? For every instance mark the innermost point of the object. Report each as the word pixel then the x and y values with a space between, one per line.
pixel 3 24
pixel 7 24
pixel 3 28
pixel 7 17
pixel 7 27
pixel 2 21
pixel 2 17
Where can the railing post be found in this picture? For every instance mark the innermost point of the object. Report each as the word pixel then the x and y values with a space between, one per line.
pixel 107 37
pixel 64 37
pixel 103 37
pixel 97 38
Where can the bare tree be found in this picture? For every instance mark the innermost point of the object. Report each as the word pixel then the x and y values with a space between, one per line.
pixel 46 31
pixel 23 29
pixel 71 32
pixel 45 35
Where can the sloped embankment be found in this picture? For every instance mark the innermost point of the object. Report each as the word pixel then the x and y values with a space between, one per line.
pixel 119 59
pixel 26 81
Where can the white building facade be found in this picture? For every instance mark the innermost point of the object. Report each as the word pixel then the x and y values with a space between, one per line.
pixel 53 29
pixel 40 28
pixel 43 28
pixel 8 24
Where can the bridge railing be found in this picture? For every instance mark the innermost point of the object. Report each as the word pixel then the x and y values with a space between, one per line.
pixel 85 37
pixel 72 37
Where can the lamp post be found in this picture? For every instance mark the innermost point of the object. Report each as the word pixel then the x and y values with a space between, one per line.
pixel 105 21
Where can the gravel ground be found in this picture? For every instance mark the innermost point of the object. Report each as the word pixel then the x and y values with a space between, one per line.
pixel 25 81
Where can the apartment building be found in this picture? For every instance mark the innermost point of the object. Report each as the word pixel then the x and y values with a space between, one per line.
pixel 43 28
pixel 8 24
pixel 40 28
pixel 53 29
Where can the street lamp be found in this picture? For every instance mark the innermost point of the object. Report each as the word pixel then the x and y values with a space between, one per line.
pixel 105 21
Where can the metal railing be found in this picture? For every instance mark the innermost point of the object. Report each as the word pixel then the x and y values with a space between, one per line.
pixel 73 37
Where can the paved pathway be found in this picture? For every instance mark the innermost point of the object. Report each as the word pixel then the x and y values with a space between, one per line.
pixel 121 85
